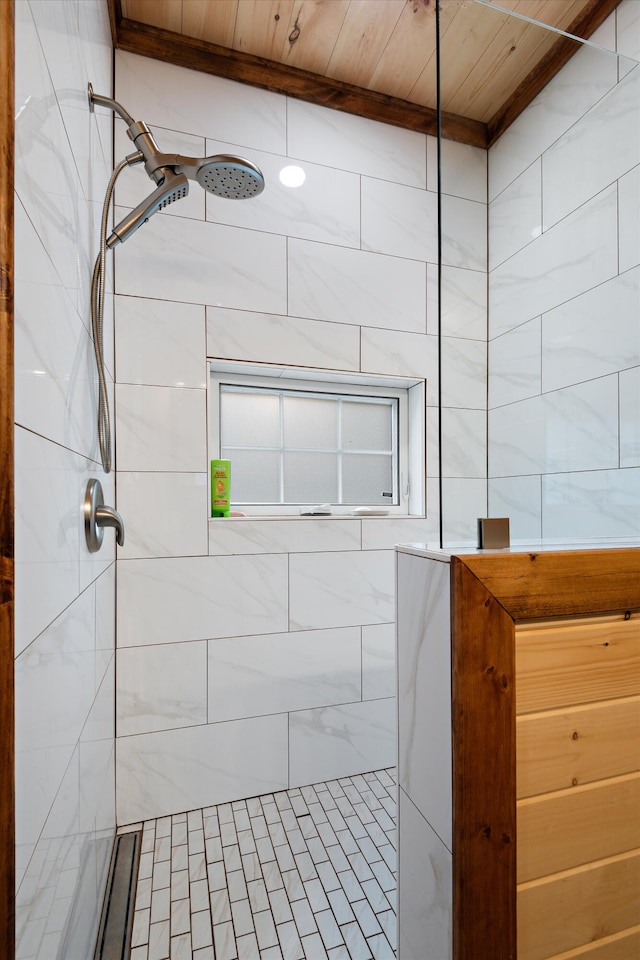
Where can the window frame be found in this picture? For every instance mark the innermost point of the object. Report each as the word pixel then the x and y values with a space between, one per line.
pixel 307 380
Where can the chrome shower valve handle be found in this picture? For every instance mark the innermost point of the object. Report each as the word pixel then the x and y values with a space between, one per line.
pixel 97 516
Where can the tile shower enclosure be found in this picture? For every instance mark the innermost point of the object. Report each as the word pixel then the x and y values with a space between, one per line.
pixel 298 282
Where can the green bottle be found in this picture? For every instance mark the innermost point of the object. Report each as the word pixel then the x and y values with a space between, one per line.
pixel 220 488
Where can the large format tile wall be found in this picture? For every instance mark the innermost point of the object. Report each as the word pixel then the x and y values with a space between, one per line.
pixel 258 654
pixel 564 293
pixel 65 623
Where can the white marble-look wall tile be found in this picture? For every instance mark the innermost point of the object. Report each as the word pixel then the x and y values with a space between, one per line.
pixel 592 335
pixel 96 747
pixel 515 216
pixel 44 900
pixel 43 155
pixel 382 533
pixel 48 505
pixel 400 354
pixel 196 598
pixel 425 888
pixel 464 233
pixel 167 772
pixel 97 45
pixel 200 104
pixel 464 302
pixel 519 499
pixel 165 514
pixel 514 364
pixel 265 338
pixel 398 220
pixel 353 143
pixel 464 169
pixel 160 428
pixel 629 418
pixel 433 444
pixel 355 286
pixel 161 687
pixel 378 661
pixel 64 668
pixel 567 430
pixel 464 443
pixel 105 588
pixel 608 136
pixel 603 503
pixel 54 384
pixel 587 76
pixel 463 501
pixel 254 676
pixel 55 687
pixel 58 31
pixel 332 742
pixel 628 29
pixel 576 254
pixel 464 373
pixel 174 258
pixel 134 185
pixel 254 535
pixel 424 688
pixel 61 36
pixel 326 207
pixel 629 219
pixel 340 589
pixel 160 343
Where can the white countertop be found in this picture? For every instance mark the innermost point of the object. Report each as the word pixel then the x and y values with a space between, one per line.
pixel 432 551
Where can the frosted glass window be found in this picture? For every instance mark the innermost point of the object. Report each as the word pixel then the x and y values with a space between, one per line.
pixel 299 446
pixel 310 478
pixel 250 418
pixel 310 422
pixel 255 475
pixel 367 479
pixel 367 426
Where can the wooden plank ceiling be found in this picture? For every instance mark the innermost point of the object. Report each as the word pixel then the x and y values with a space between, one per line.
pixel 376 58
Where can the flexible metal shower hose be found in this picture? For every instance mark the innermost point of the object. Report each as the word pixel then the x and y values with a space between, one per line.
pixel 97 316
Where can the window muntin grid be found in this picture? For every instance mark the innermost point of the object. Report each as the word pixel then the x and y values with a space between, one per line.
pixel 339 461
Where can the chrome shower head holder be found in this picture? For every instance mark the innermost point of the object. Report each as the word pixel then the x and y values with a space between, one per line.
pixel 223 175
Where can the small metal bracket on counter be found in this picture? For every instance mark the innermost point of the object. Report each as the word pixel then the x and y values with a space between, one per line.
pixel 97 516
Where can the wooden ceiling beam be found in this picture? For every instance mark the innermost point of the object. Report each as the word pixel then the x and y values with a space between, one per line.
pixel 194 54
pixel 584 25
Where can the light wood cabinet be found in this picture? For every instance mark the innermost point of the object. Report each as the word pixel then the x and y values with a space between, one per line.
pixel 544 748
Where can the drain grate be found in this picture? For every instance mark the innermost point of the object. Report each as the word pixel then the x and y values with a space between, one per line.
pixel 114 935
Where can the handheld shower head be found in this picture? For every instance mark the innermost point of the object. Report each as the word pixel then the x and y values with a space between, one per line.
pixel 227 176
pixel 223 175
pixel 174 187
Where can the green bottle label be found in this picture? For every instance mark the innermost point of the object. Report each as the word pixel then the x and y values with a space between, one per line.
pixel 220 488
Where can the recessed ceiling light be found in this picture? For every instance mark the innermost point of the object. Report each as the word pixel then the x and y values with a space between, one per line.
pixel 292 176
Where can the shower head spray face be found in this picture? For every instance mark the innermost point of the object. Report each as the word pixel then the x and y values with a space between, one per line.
pixel 230 177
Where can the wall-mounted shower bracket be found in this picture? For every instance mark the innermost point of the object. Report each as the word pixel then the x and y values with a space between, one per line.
pixel 97 516
pixel 108 102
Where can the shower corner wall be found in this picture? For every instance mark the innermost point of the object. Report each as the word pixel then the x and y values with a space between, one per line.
pixel 65 620
pixel 564 289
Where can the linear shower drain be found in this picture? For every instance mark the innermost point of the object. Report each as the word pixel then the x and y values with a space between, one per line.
pixel 114 935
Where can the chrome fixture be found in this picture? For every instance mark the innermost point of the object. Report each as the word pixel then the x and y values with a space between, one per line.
pixel 223 175
pixel 97 516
